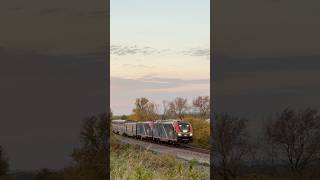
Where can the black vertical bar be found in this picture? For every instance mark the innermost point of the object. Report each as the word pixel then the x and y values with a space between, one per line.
pixel 212 105
pixel 108 93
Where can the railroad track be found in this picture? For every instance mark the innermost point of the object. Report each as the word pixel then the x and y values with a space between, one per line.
pixel 196 149
pixel 180 146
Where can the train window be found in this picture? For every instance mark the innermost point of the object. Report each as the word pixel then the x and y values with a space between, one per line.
pixel 169 130
pixel 168 127
pixel 184 126
pixel 161 130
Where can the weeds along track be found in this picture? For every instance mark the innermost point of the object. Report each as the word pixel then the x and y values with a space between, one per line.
pixel 181 146
pixel 195 149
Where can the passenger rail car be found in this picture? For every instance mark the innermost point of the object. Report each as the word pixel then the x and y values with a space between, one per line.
pixel 145 130
pixel 171 131
pixel 118 126
pixel 131 129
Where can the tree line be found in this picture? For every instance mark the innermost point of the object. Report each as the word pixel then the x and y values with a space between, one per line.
pixel 179 108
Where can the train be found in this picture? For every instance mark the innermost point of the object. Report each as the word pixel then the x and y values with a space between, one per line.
pixel 171 131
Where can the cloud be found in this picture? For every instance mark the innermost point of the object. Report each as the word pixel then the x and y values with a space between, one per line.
pixel 197 52
pixel 155 82
pixel 173 80
pixel 137 66
pixel 132 50
pixel 180 88
pixel 147 50
pixel 125 91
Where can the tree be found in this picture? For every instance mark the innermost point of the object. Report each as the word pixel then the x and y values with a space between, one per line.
pixel 4 165
pixel 90 159
pixel 144 110
pixel 178 107
pixel 296 136
pixel 124 117
pixel 202 104
pixel 230 147
pixel 140 108
pixel 165 109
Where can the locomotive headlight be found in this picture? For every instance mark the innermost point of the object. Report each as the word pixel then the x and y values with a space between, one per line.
pixel 179 134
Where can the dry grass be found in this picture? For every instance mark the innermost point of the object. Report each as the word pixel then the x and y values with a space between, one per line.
pixel 132 163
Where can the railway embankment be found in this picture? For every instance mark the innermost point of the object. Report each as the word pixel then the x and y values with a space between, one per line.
pixel 133 159
pixel 186 153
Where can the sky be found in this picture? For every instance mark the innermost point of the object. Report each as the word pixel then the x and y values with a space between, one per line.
pixel 159 50
pixel 266 57
pixel 52 76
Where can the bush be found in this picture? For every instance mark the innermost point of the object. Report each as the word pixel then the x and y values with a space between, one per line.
pixel 201 131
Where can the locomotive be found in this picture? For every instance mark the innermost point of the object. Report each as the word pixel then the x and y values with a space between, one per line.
pixel 171 131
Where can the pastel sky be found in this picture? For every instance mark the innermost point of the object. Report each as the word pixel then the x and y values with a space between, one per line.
pixel 159 49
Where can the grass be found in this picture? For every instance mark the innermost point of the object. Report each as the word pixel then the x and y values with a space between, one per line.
pixel 134 163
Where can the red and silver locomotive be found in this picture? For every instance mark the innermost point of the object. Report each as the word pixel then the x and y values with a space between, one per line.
pixel 172 131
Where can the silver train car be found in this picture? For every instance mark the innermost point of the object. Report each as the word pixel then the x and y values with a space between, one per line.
pixel 171 131
pixel 118 126
pixel 145 130
pixel 131 129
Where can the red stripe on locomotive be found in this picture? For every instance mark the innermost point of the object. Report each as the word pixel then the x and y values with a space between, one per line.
pixel 176 127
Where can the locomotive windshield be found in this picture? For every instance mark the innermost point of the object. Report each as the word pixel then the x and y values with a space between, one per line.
pixel 184 126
